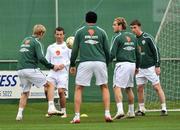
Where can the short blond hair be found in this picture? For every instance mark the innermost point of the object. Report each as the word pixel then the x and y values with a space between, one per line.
pixel 121 21
pixel 38 29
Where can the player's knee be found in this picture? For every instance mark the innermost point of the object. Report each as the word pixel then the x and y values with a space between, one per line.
pixel 48 84
pixel 104 86
pixel 25 94
pixel 140 88
pixel 61 91
pixel 128 90
pixel 79 87
pixel 157 87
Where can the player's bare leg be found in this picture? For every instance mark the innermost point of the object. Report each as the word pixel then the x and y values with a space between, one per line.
pixel 50 95
pixel 22 105
pixel 106 101
pixel 119 104
pixel 140 91
pixel 77 103
pixel 62 101
pixel 45 92
pixel 130 95
pixel 162 98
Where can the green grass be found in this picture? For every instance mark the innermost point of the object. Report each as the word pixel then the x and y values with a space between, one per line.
pixel 34 119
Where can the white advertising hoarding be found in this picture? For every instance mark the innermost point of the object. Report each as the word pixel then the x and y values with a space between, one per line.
pixel 10 87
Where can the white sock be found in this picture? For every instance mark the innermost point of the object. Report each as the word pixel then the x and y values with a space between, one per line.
pixel 77 116
pixel 120 107
pixel 163 106
pixel 107 113
pixel 51 105
pixel 63 110
pixel 141 106
pixel 20 111
pixel 131 107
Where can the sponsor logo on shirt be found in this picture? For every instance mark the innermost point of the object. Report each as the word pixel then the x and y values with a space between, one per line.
pixel 23 50
pixel 91 42
pixel 129 48
pixel 91 39
pixel 129 43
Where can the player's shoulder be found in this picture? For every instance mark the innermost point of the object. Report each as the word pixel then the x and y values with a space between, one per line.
pixel 36 41
pixel 64 45
pixel 129 34
pixel 32 40
pixel 100 29
pixel 80 30
pixel 117 36
pixel 147 35
pixel 53 45
pixel 27 38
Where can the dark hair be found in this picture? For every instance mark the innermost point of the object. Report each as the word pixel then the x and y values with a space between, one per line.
pixel 136 22
pixel 91 17
pixel 59 29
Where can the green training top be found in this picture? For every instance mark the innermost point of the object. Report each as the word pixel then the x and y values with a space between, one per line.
pixel 149 52
pixel 30 53
pixel 125 48
pixel 91 42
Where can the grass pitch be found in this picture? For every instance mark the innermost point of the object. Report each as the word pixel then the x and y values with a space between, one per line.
pixel 34 119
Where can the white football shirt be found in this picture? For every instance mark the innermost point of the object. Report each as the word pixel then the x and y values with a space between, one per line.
pixel 58 54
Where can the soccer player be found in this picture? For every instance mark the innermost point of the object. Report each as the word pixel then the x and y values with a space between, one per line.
pixel 30 53
pixel 91 42
pixel 59 53
pixel 125 50
pixel 149 67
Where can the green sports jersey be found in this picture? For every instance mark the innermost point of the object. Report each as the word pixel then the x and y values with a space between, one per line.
pixel 149 51
pixel 91 42
pixel 30 53
pixel 125 48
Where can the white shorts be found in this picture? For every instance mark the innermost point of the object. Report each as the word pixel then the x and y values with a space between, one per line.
pixel 59 79
pixel 124 75
pixel 147 74
pixel 87 69
pixel 31 76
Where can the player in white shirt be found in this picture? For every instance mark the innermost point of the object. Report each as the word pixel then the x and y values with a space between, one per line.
pixel 59 53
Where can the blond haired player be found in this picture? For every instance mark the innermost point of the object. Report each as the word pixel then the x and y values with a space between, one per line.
pixel 126 52
pixel 59 53
pixel 30 53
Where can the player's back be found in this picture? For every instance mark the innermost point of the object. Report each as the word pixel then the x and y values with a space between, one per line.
pixel 125 45
pixel 27 53
pixel 93 43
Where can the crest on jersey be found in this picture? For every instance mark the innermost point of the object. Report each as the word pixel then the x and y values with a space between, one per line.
pixel 91 32
pixel 128 39
pixel 143 42
pixel 57 52
pixel 26 42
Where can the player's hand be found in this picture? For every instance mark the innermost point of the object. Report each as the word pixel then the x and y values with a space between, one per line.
pixel 136 71
pixel 61 66
pixel 56 67
pixel 158 70
pixel 73 70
